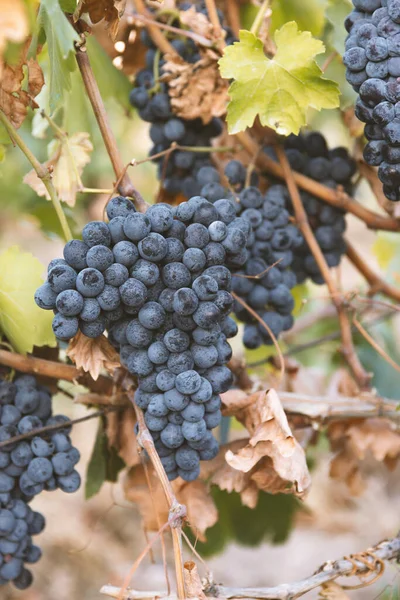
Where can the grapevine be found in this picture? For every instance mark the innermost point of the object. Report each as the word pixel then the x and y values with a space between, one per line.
pixel 207 173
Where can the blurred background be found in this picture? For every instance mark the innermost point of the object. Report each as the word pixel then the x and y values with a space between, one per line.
pixel 87 544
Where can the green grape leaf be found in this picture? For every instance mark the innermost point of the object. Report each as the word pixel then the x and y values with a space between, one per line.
pixel 336 12
pixel 60 37
pixel 308 14
pixel 104 464
pixel 22 321
pixel 97 468
pixel 279 90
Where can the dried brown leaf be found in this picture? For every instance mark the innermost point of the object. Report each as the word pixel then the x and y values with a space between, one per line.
pixel 201 510
pixel 93 355
pixel 109 10
pixel 191 576
pixel 273 456
pixel 355 440
pixel 68 158
pixel 125 438
pixel 196 22
pixel 196 90
pixel 137 491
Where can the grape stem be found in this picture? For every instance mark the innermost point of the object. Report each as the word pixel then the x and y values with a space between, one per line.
pixel 214 19
pixel 54 370
pixel 369 562
pixel 126 186
pixel 362 377
pixel 41 171
pixel 177 511
pixel 158 38
pixel 255 28
pixel 199 39
pixel 377 285
pixel 233 15
pixel 334 197
pixel 58 426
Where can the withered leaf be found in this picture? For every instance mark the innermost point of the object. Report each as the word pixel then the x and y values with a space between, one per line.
pixel 201 510
pixel 193 586
pixel 14 101
pixel 196 22
pixel 273 457
pixel 333 591
pixel 149 503
pixel 122 437
pixel 196 90
pixel 354 440
pixel 109 10
pixel 93 355
pixel 68 158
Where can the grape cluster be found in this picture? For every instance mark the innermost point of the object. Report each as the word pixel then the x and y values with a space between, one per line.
pixel 164 299
pixel 309 154
pixel 40 462
pixel 262 274
pixel 372 58
pixel 150 96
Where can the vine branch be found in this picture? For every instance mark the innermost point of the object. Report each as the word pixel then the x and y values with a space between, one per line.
pixel 333 197
pixel 54 370
pixel 368 562
pixel 41 171
pixel 177 511
pixel 126 186
pixel 348 350
pixel 158 38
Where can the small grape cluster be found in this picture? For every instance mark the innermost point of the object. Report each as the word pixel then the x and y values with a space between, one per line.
pixel 159 285
pixel 372 59
pixel 309 154
pixel 44 461
pixel 150 96
pixel 262 274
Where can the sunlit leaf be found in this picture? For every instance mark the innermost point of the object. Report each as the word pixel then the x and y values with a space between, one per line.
pixel 279 90
pixel 21 320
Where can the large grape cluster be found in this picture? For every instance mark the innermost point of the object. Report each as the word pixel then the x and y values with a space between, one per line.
pixel 372 59
pixel 309 154
pixel 161 288
pixel 150 96
pixel 40 462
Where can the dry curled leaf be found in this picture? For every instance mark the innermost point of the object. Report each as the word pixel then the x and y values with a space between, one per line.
pixel 121 434
pixel 196 90
pixel 68 158
pixel 14 101
pixel 149 503
pixel 196 22
pixel 109 10
pixel 93 355
pixel 355 440
pixel 193 586
pixel 273 457
pixel 14 26
pixel 201 510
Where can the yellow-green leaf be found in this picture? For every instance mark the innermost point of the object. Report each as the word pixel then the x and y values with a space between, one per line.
pixel 21 320
pixel 308 14
pixel 385 248
pixel 279 90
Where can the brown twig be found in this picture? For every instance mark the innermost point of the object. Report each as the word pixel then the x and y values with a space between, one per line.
pixel 377 284
pixel 330 571
pixel 214 19
pixel 56 427
pixel 158 38
pixel 267 328
pixel 348 350
pixel 177 511
pixel 333 197
pixel 233 15
pixel 54 370
pixel 126 186
pixel 200 39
